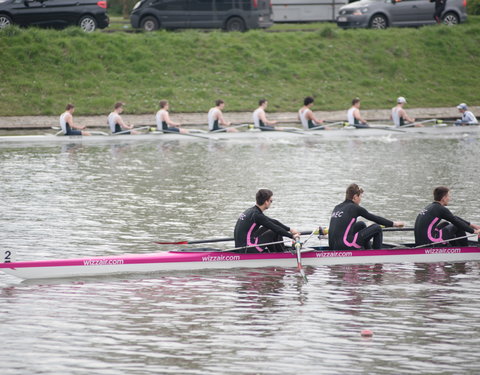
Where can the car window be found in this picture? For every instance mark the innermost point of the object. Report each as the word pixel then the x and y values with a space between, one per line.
pixel 171 4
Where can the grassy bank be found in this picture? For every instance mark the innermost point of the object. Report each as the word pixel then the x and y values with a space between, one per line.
pixel 42 70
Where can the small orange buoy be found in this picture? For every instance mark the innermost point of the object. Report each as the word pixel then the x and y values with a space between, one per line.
pixel 366 333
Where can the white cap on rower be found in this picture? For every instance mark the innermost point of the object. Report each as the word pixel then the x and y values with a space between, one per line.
pixel 462 106
pixel 401 99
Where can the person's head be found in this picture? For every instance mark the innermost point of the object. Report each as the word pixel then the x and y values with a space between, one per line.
pixel 264 197
pixel 354 193
pixel 70 108
pixel 401 100
pixel 356 102
pixel 308 101
pixel 118 107
pixel 462 107
pixel 263 102
pixel 441 194
pixel 219 103
pixel 163 104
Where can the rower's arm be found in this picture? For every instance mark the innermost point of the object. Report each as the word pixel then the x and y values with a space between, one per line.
pixel 311 116
pixel 377 219
pixel 403 114
pixel 356 114
pixel 69 120
pixel 263 117
pixel 120 122
pixel 169 121
pixel 222 121
pixel 274 225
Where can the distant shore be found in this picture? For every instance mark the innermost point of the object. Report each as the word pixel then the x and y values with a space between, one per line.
pixel 200 119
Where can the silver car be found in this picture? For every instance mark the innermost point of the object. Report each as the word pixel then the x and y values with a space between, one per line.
pixel 380 14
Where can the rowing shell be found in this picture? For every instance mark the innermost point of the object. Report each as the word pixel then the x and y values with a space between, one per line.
pixel 450 131
pixel 215 259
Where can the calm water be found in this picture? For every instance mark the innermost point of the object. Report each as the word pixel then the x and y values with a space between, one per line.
pixel 77 201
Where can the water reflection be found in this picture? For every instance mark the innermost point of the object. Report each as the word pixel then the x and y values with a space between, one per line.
pixel 84 200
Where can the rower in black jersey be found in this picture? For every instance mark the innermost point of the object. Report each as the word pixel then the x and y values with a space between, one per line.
pixel 430 229
pixel 253 228
pixel 346 233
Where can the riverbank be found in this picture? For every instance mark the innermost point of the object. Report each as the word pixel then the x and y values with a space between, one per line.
pixel 43 70
pixel 199 119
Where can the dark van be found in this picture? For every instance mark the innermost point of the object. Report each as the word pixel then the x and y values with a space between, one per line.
pixel 230 15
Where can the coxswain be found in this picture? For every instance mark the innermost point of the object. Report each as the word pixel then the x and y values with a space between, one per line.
pixel 354 117
pixel 346 233
pixel 468 118
pixel 306 116
pixel 260 118
pixel 430 229
pixel 116 123
pixel 400 117
pixel 163 120
pixel 67 125
pixel 254 228
pixel 215 118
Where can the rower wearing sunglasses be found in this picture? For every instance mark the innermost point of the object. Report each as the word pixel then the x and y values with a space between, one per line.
pixel 254 228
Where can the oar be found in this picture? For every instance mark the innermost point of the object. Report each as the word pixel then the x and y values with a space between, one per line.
pixel 250 246
pixel 230 127
pixel 385 127
pixel 190 135
pixel 91 132
pixel 389 229
pixel 335 123
pixel 226 239
pixel 446 240
pixel 129 130
pixel 195 241
pixel 291 130
pixel 298 248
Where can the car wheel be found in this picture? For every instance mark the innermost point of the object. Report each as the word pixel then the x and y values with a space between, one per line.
pixel 235 24
pixel 378 22
pixel 149 23
pixel 87 24
pixel 450 19
pixel 5 21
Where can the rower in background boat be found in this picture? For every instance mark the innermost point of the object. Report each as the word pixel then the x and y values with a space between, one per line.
pixel 215 118
pixel 67 125
pixel 399 115
pixel 429 227
pixel 164 124
pixel 306 116
pixel 346 233
pixel 354 117
pixel 253 227
pixel 116 123
pixel 468 118
pixel 260 118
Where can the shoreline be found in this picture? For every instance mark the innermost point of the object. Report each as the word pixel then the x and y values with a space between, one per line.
pixel 200 119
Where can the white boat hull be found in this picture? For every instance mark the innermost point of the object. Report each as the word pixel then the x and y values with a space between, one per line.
pixel 182 261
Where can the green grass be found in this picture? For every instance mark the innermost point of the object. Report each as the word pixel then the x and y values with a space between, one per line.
pixel 42 70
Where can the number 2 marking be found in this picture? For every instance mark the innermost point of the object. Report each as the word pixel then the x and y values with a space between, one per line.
pixel 7 256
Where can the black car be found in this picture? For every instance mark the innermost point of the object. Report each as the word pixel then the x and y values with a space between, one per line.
pixel 230 15
pixel 88 14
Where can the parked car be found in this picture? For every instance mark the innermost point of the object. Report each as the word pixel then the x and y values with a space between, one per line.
pixel 380 14
pixel 230 15
pixel 88 14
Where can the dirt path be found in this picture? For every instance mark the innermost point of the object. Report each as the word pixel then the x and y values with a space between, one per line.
pixel 200 119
